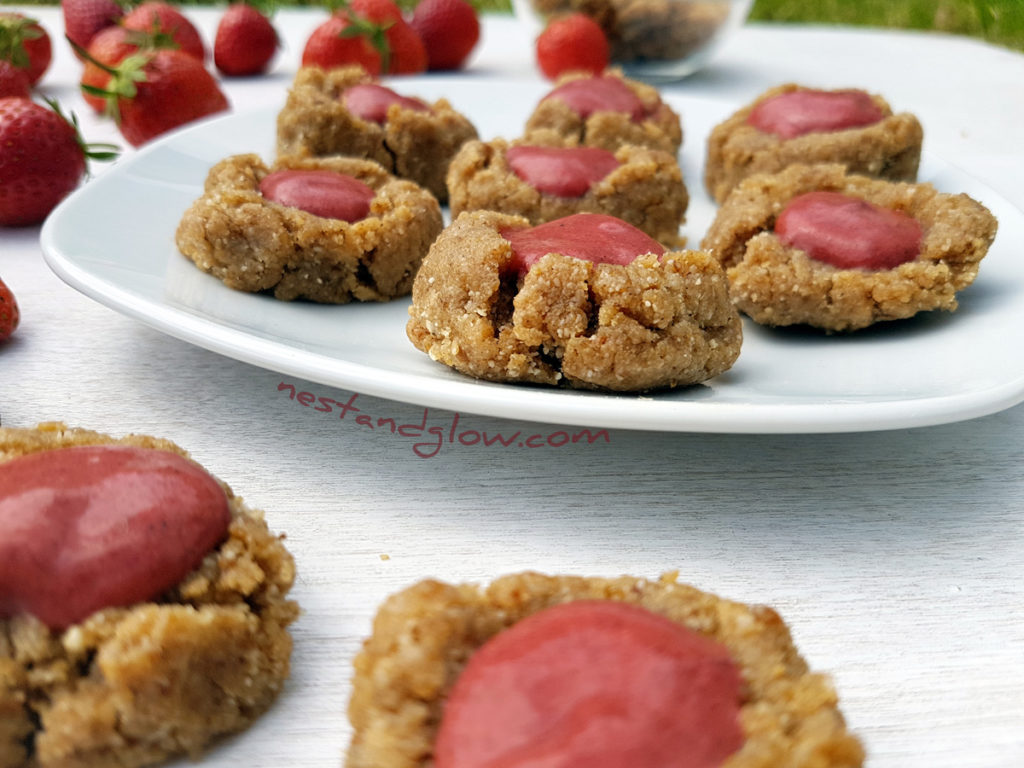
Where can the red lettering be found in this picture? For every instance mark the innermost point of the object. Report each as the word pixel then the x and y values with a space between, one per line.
pixel 418 448
pixel 290 388
pixel 417 427
pixel 364 420
pixel 499 438
pixel 306 398
pixel 326 403
pixel 534 441
pixel 562 440
pixel 349 406
pixel 473 439
pixel 591 436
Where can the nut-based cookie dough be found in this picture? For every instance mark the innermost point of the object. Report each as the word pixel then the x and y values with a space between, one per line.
pixel 607 111
pixel 889 148
pixel 646 188
pixel 660 321
pixel 779 285
pixel 413 143
pixel 134 685
pixel 253 244
pixel 424 637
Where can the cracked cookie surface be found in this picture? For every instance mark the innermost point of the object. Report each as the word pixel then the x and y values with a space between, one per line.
pixel 889 149
pixel 412 144
pixel 253 244
pixel 656 323
pixel 777 285
pixel 133 686
pixel 646 189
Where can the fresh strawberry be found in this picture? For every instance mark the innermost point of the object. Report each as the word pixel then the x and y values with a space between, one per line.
pixel 43 159
pixel 572 42
pixel 450 30
pixel 406 53
pixel 25 43
pixel 9 315
pixel 245 41
pixel 150 93
pixel 162 18
pixel 109 47
pixel 13 81
pixel 341 41
pixel 84 18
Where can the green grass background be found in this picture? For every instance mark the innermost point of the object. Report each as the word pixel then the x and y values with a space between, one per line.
pixel 998 21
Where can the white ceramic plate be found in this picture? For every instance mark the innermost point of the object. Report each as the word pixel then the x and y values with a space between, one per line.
pixel 935 368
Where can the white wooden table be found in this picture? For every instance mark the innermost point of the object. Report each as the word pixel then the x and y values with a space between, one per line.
pixel 896 557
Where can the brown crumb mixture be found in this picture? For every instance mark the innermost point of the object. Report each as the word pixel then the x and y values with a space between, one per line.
pixel 253 244
pixel 658 322
pixel 133 686
pixel 411 144
pixel 776 285
pixel 423 636
pixel 660 129
pixel 890 149
pixel 646 190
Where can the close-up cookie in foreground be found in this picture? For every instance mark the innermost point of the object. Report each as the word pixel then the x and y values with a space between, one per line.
pixel 345 111
pixel 587 301
pixel 792 124
pixel 817 246
pixel 331 230
pixel 143 606
pixel 571 671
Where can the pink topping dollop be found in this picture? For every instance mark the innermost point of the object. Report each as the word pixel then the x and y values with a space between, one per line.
pixel 561 171
pixel 600 684
pixel 796 113
pixel 93 527
pixel 848 232
pixel 370 102
pixel 588 95
pixel 592 237
pixel 320 192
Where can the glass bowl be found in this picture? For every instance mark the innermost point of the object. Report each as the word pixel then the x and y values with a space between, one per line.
pixel 652 40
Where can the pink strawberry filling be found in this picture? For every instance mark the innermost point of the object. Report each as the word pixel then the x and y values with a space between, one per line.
pixel 371 102
pixel 320 192
pixel 561 171
pixel 589 236
pixel 796 113
pixel 595 683
pixel 93 527
pixel 588 95
pixel 848 232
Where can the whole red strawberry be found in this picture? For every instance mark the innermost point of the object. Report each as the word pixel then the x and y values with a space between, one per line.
pixel 165 19
pixel 109 47
pixel 9 315
pixel 25 43
pixel 406 54
pixel 13 81
pixel 450 30
pixel 572 42
pixel 152 92
pixel 43 159
pixel 340 41
pixel 84 18
pixel 245 41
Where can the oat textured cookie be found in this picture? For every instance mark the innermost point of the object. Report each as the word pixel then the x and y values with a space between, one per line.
pixel 646 189
pixel 779 285
pixel 889 148
pixel 660 321
pixel 608 111
pixel 424 636
pixel 412 143
pixel 254 244
pixel 132 686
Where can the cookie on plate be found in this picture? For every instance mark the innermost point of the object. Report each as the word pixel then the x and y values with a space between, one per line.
pixel 143 606
pixel 328 229
pixel 538 669
pixel 794 124
pixel 345 111
pixel 639 185
pixel 586 301
pixel 607 111
pixel 815 245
